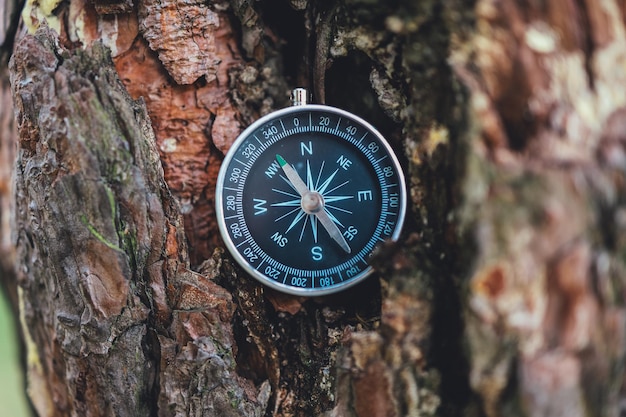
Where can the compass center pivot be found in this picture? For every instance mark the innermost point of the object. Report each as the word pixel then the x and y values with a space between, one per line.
pixel 312 202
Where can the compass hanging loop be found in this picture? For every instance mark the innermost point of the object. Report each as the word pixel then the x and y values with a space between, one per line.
pixel 300 97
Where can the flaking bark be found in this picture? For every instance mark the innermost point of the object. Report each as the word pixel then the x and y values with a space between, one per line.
pixel 100 240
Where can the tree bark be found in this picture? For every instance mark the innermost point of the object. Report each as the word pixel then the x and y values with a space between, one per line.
pixel 505 295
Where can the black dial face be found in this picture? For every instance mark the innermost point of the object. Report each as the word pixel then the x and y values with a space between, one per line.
pixel 304 196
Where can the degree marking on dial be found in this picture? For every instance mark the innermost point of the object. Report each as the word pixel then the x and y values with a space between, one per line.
pixel 361 140
pixel 242 163
pixel 244 242
pixel 259 265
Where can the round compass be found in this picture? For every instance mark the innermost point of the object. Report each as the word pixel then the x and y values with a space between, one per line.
pixel 304 196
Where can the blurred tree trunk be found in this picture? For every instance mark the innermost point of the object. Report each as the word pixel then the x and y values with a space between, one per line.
pixel 505 295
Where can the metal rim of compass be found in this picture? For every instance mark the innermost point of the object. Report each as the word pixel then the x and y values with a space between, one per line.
pixel 241 260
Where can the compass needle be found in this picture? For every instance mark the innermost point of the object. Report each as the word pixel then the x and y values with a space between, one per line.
pixel 305 194
pixel 332 230
pixel 313 203
pixel 292 176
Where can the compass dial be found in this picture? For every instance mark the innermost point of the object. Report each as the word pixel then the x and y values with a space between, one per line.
pixel 304 196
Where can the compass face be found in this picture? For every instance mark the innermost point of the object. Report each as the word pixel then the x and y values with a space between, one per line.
pixel 304 196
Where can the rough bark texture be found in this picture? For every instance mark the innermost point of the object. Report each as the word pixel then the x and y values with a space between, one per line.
pixel 545 200
pixel 505 295
pixel 98 240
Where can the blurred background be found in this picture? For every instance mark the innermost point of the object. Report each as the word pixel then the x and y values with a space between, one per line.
pixel 12 394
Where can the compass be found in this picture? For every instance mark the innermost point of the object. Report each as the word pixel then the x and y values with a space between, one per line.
pixel 304 196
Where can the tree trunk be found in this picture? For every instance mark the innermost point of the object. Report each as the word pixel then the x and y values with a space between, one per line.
pixel 505 295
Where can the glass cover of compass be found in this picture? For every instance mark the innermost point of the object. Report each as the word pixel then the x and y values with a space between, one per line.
pixel 304 196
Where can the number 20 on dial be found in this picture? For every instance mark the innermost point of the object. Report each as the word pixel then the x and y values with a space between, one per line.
pixel 304 196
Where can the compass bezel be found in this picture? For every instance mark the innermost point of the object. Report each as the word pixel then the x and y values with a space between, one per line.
pixel 219 198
